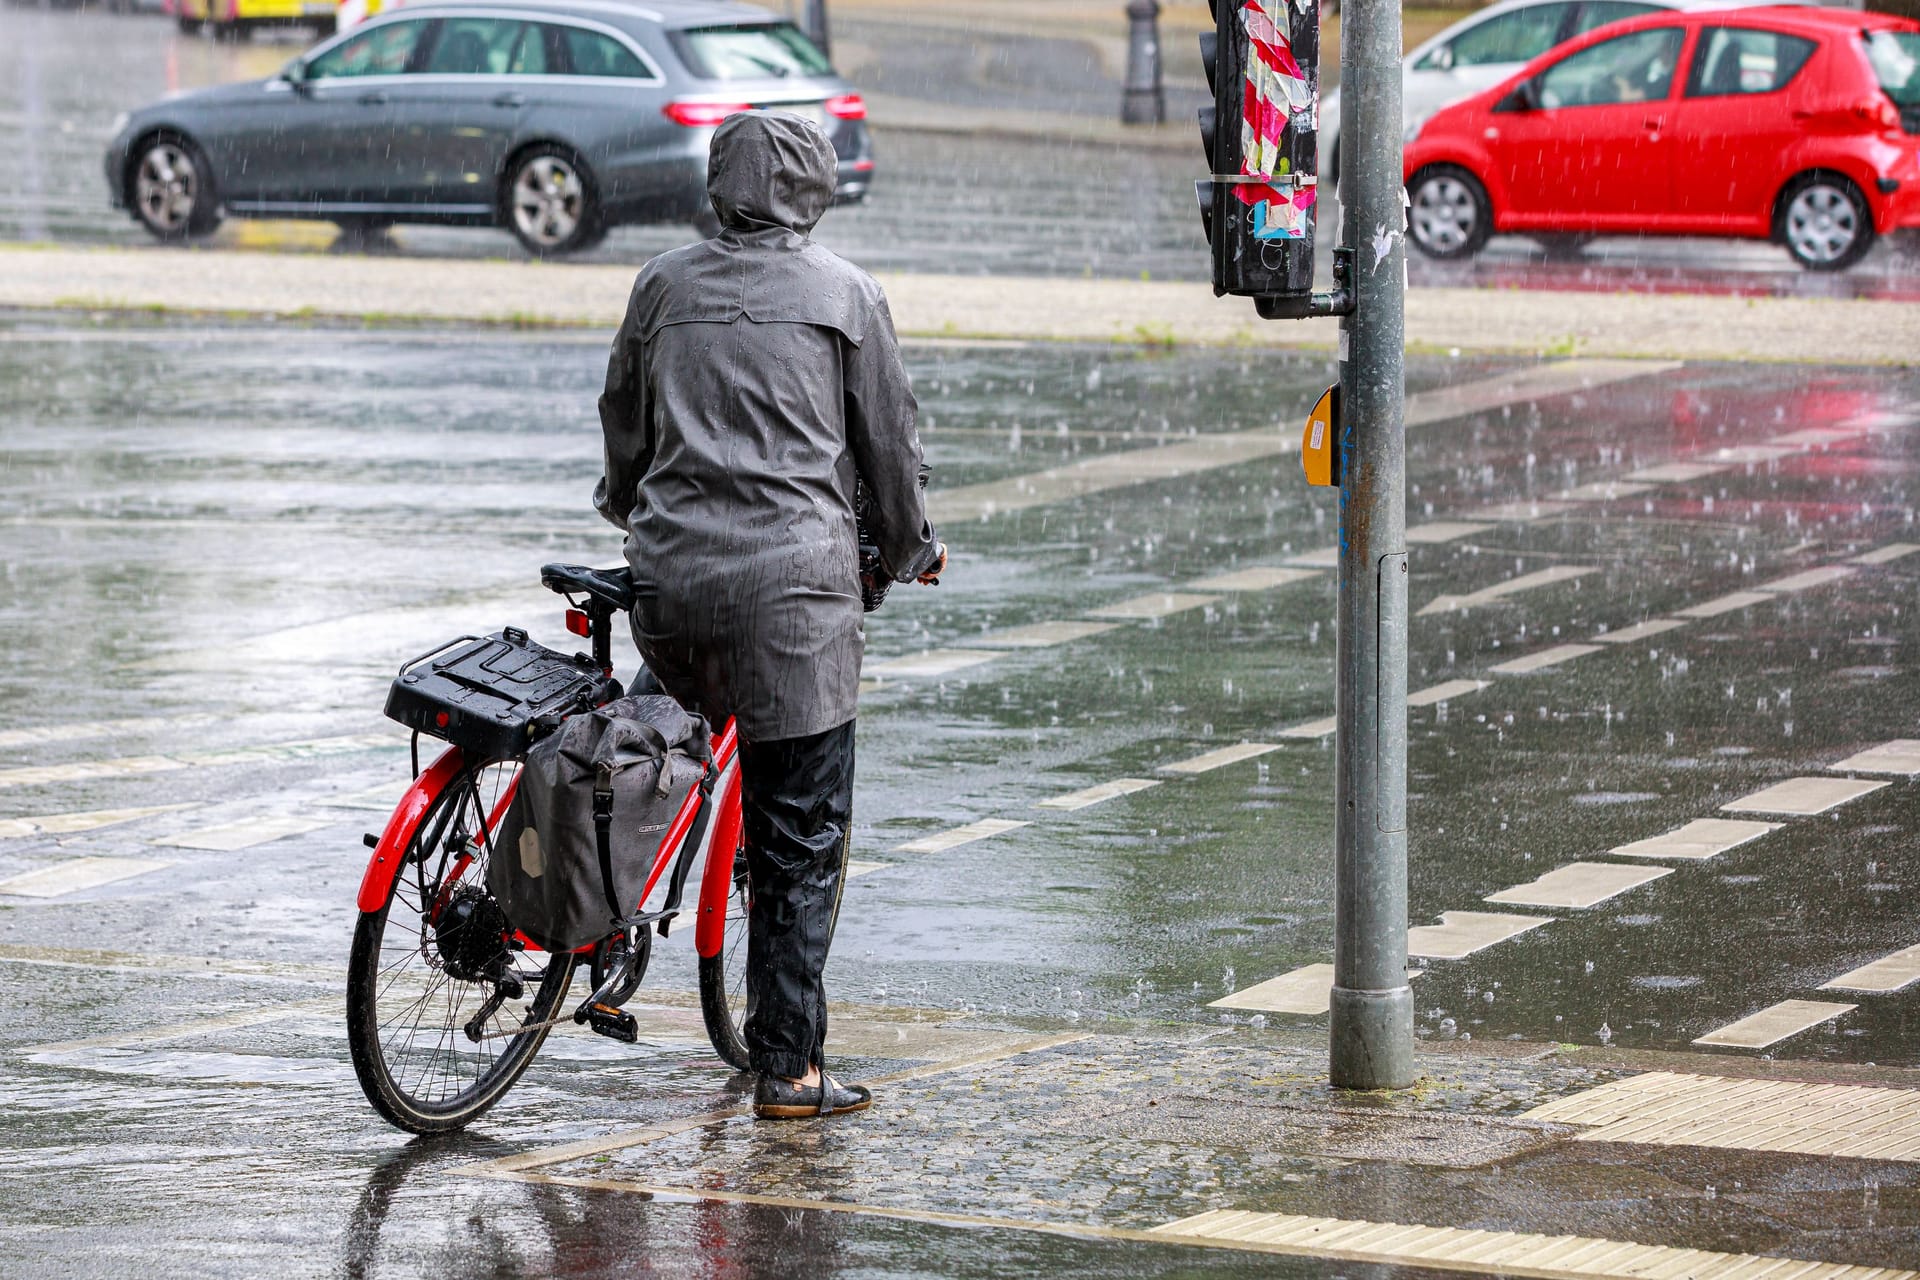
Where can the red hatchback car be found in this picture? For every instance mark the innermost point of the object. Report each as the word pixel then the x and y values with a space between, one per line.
pixel 1798 125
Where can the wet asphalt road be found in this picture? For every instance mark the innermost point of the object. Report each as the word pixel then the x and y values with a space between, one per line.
pixel 221 542
pixel 940 202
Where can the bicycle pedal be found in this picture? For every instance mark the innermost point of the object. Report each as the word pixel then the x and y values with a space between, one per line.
pixel 615 1024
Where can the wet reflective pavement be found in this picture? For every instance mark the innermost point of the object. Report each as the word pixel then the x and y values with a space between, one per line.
pixel 222 540
pixel 942 201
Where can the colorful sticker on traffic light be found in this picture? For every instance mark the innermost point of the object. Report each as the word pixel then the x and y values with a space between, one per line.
pixel 1276 89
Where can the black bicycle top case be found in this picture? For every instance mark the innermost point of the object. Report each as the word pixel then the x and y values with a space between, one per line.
pixel 492 696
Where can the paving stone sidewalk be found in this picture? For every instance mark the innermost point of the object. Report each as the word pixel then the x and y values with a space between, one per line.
pixel 387 290
pixel 1133 1132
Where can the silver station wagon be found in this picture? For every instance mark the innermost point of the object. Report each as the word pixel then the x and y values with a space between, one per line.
pixel 554 120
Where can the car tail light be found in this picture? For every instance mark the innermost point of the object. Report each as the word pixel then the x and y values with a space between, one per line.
pixel 847 106
pixel 697 115
pixel 1879 110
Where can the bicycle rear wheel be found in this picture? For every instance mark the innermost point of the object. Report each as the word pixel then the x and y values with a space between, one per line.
pixel 723 975
pixel 443 1012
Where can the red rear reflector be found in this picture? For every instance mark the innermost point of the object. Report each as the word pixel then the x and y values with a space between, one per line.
pixel 847 106
pixel 696 115
pixel 578 624
pixel 440 721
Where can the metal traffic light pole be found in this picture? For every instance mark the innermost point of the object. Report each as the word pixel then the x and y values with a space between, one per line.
pixel 1259 206
pixel 1372 1037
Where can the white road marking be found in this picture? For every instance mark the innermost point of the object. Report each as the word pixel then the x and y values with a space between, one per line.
pixel 933 662
pixel 81 730
pixel 1098 794
pixel 1699 839
pixel 857 868
pixel 125 766
pixel 1219 758
pixel 380 799
pixel 245 835
pixel 1545 658
pixel 179 1030
pixel 1513 1253
pixel 1523 509
pixel 1512 586
pixel 953 839
pixel 1432 694
pixel 1440 531
pixel 1887 554
pixel 1106 472
pixel 1723 604
pixel 1901 756
pixel 1888 973
pixel 1155 604
pixel 1826 575
pixel 1040 635
pixel 1813 436
pixel 1307 990
pixel 1774 1024
pixel 1753 454
pixel 1579 885
pixel 77 874
pixel 1312 728
pixel 1461 933
pixel 1258 578
pixel 1677 472
pixel 1671 1109
pixel 60 824
pixel 1640 631
pixel 1561 377
pixel 1803 797
pixel 1324 558
pixel 1605 491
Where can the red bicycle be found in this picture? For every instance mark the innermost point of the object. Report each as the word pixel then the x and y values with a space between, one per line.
pixel 447 1003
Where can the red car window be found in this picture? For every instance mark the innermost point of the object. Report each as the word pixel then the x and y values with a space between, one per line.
pixel 1630 68
pixel 1736 60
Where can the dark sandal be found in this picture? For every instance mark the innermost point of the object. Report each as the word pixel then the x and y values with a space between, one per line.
pixel 778 1099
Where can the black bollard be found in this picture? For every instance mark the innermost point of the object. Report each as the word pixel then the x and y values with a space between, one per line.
pixel 1143 101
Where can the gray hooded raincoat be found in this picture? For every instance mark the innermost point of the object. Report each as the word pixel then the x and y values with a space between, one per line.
pixel 754 375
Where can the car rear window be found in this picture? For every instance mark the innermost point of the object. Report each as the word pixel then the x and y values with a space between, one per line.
pixel 1736 60
pixel 764 51
pixel 1895 56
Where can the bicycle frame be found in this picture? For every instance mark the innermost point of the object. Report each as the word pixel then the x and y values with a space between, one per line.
pixel 723 832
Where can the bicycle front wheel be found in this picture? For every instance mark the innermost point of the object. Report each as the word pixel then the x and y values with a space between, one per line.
pixel 444 1012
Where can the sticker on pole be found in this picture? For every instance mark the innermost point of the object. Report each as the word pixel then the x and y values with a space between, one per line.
pixel 1275 93
pixel 1319 444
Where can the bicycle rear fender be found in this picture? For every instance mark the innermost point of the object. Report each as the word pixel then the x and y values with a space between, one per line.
pixel 387 855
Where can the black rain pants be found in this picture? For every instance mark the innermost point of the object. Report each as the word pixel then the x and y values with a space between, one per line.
pixel 797 794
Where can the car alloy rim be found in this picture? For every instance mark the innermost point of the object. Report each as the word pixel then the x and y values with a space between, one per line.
pixel 1444 213
pixel 547 200
pixel 165 186
pixel 1822 223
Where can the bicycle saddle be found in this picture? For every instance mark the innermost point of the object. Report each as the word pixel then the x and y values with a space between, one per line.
pixel 614 586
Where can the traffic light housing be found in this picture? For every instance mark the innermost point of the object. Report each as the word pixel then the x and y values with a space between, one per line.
pixel 1258 202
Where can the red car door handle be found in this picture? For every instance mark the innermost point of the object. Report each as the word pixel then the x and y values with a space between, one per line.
pixel 1653 122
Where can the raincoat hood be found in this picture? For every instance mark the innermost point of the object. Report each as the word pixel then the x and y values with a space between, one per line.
pixel 768 169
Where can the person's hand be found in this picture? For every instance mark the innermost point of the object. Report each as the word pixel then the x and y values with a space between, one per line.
pixel 930 577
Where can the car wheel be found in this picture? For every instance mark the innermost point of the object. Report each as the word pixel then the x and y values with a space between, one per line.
pixel 548 202
pixel 170 189
pixel 1451 216
pixel 1824 222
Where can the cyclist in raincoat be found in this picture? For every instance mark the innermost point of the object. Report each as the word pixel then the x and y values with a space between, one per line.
pixel 754 377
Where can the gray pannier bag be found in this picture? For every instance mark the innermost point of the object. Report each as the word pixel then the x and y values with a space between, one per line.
pixel 596 797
